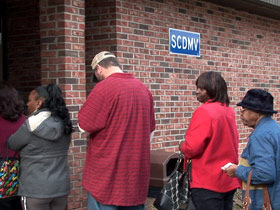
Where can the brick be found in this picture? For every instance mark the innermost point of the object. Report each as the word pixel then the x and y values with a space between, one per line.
pixel 55 47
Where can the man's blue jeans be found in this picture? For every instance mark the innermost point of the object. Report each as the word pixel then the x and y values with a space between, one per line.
pixel 95 205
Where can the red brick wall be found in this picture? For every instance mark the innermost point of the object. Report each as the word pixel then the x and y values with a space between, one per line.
pixel 62 26
pixel 46 44
pixel 23 43
pixel 100 32
pixel 242 46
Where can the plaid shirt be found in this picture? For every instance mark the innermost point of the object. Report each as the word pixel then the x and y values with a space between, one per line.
pixel 119 116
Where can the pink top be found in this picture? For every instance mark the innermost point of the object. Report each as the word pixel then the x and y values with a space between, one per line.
pixel 7 128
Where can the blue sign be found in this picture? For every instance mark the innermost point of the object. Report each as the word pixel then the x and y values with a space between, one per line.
pixel 184 42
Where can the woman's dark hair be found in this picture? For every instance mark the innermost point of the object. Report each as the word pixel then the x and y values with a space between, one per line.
pixel 54 102
pixel 215 86
pixel 11 105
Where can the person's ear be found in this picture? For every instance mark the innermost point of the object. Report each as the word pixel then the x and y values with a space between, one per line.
pixel 99 69
pixel 258 115
pixel 39 103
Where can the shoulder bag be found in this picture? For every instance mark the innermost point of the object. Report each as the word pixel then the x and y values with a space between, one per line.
pixel 176 191
pixel 9 169
pixel 247 199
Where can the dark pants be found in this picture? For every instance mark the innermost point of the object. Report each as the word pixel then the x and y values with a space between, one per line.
pixel 57 203
pixel 12 203
pixel 210 200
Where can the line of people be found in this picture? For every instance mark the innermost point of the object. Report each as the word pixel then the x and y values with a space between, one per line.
pixel 119 117
pixel 212 142
pixel 43 140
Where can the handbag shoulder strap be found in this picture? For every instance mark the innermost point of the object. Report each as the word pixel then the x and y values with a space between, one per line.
pixel 5 151
pixel 178 163
pixel 189 169
pixel 265 195
pixel 247 200
pixel 266 199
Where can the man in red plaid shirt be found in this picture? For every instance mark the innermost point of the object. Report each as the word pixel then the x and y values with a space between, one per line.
pixel 119 116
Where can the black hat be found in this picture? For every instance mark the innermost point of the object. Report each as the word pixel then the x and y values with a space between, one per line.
pixel 258 100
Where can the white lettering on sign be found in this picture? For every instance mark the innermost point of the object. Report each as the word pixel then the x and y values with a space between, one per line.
pixel 185 43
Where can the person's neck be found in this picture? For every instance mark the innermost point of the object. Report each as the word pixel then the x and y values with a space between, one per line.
pixel 113 69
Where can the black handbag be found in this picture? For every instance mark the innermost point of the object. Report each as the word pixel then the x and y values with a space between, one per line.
pixel 175 192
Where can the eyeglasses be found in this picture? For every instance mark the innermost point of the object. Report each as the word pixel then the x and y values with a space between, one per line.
pixel 243 109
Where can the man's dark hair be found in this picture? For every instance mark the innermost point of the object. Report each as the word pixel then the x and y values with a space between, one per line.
pixel 108 62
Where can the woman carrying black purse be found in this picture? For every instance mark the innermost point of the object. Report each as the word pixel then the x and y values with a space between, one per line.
pixel 211 142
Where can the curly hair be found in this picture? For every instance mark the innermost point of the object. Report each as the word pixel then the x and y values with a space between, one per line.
pixel 54 101
pixel 11 105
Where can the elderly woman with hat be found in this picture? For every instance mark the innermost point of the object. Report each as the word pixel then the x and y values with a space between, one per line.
pixel 262 153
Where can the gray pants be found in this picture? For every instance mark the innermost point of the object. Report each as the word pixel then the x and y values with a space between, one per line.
pixel 57 203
